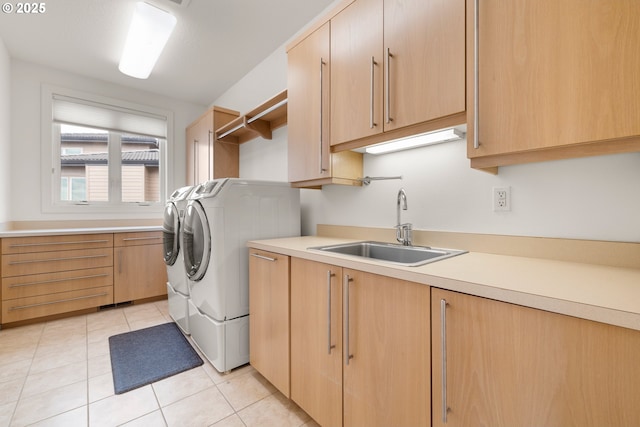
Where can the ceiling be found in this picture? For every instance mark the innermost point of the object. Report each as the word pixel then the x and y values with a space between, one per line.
pixel 214 43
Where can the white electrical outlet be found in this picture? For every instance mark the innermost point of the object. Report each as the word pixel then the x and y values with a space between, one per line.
pixel 501 199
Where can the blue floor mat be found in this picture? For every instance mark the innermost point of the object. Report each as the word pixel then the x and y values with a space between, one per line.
pixel 147 355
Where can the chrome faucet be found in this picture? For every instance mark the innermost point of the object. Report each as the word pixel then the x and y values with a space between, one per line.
pixel 403 231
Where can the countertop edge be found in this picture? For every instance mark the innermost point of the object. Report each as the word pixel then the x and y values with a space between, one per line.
pixel 88 230
pixel 532 298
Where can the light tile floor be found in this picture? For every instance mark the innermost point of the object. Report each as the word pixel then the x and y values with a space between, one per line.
pixel 58 373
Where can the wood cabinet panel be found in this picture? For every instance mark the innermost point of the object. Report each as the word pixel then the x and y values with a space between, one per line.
pixel 48 262
pixel 269 317
pixel 387 380
pixel 425 60
pixel 316 358
pixel 357 64
pixel 18 309
pixel 137 239
pixel 17 245
pixel 510 365
pixel 308 110
pixel 208 158
pixel 383 324
pixel 554 75
pixel 139 272
pixel 48 283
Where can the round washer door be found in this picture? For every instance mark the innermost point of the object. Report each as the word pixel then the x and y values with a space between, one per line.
pixel 171 234
pixel 196 241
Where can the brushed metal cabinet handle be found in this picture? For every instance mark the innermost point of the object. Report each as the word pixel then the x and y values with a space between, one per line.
pixel 443 340
pixel 387 71
pixel 23 307
pixel 33 261
pixel 266 258
pixel 347 354
pixel 372 124
pixel 322 64
pixel 476 78
pixel 329 345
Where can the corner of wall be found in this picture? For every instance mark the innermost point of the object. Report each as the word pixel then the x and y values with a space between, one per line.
pixel 5 132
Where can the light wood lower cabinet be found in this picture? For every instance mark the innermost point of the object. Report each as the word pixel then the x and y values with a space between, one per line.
pixel 269 316
pixel 139 269
pixel 316 340
pixel 509 365
pixel 363 358
pixel 50 275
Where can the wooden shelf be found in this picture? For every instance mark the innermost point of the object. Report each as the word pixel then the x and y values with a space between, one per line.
pixel 259 122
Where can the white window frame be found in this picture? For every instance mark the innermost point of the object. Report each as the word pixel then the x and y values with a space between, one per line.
pixel 50 160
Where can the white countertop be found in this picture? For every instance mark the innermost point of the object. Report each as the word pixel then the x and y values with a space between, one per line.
pixel 601 293
pixel 87 230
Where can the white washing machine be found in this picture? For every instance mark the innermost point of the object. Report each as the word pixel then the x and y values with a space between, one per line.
pixel 177 284
pixel 221 216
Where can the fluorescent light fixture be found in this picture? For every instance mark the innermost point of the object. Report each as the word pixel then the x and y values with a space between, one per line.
pixel 416 141
pixel 150 29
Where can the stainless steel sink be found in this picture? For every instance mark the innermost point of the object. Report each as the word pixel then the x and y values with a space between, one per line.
pixel 410 256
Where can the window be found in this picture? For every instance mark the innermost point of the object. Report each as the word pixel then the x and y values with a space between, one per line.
pixel 105 155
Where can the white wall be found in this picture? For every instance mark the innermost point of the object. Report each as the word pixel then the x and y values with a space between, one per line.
pixel 592 198
pixel 5 132
pixel 26 82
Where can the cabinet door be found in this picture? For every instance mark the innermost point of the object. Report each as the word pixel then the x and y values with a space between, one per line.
pixel 386 337
pixel 424 44
pixel 509 365
pixel 308 107
pixel 139 271
pixel 269 316
pixel 199 155
pixel 555 73
pixel 316 340
pixel 356 71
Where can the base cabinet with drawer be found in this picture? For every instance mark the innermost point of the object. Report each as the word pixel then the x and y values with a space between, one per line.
pixel 139 270
pixel 359 347
pixel 50 275
pixel 499 364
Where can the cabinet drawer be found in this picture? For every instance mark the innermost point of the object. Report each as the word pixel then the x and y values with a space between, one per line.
pixel 49 262
pixel 136 239
pixel 49 283
pixel 47 305
pixel 20 245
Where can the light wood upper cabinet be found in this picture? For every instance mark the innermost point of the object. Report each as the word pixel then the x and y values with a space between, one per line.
pixel 269 316
pixel 308 110
pixel 383 325
pixel 425 54
pixel 311 164
pixel 557 79
pixel 396 64
pixel 208 158
pixel 509 365
pixel 356 71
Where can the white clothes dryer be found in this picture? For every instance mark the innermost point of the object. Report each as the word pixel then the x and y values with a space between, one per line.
pixel 221 216
pixel 177 284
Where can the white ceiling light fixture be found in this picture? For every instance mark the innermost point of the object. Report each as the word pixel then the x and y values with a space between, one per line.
pixel 148 34
pixel 416 141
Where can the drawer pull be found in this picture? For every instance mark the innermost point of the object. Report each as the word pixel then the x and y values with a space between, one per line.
pixel 130 239
pixel 79 242
pixel 23 307
pixel 32 261
pixel 67 279
pixel 266 258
